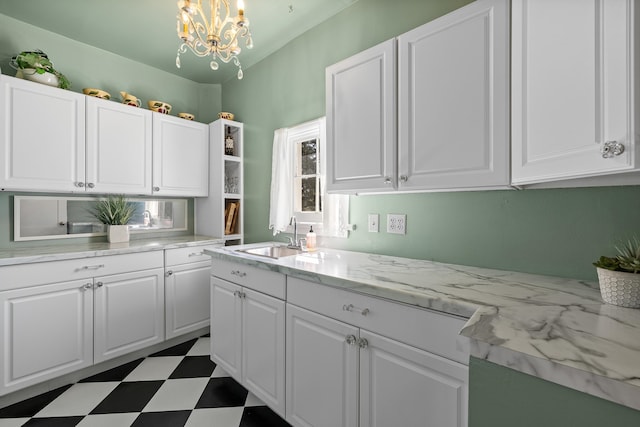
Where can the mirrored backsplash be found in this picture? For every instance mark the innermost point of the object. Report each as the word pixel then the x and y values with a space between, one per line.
pixel 44 217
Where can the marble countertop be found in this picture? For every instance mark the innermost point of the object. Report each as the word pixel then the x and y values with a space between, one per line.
pixel 553 328
pixel 59 252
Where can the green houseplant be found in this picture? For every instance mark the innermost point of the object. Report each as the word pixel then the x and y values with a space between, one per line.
pixel 36 65
pixel 619 276
pixel 115 211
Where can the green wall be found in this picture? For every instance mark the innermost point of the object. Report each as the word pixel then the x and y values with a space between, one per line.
pixel 87 66
pixel 556 232
pixel 501 397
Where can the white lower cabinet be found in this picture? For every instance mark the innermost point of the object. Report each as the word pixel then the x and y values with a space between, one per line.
pixel 62 316
pixel 187 272
pixel 248 329
pixel 342 372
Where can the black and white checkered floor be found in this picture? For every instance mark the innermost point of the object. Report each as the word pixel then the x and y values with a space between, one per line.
pixel 176 387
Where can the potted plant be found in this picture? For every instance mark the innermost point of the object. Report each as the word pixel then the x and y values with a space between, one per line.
pixel 37 66
pixel 619 276
pixel 115 211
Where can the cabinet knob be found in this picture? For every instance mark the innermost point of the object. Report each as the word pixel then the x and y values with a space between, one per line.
pixel 90 185
pixel 86 287
pixel 351 339
pixel 404 178
pixel 156 189
pixel 611 149
pixel 387 180
pixel 363 343
pixel 80 184
pixel 99 284
pixel 168 273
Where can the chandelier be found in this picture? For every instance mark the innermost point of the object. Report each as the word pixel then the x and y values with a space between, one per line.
pixel 217 36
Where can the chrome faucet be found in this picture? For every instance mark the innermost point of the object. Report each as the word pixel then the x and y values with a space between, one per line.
pixel 293 242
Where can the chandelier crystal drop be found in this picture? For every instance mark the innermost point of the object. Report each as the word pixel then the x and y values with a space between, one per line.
pixel 218 36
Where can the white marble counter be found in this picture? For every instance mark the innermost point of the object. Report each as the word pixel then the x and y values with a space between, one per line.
pixel 556 329
pixel 49 252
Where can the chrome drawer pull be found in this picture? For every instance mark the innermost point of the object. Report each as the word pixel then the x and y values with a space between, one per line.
pixel 238 273
pixel 196 254
pixel 352 308
pixel 86 287
pixel 92 267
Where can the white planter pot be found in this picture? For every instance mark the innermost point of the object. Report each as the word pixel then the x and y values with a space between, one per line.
pixel 48 79
pixel 117 233
pixel 619 288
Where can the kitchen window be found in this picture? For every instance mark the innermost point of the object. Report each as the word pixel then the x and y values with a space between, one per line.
pixel 297 183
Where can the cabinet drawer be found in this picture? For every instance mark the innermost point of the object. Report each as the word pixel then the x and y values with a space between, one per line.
pixel 428 330
pixel 186 255
pixel 265 281
pixel 24 275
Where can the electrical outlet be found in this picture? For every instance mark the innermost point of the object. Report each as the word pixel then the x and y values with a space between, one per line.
pixel 397 223
pixel 374 223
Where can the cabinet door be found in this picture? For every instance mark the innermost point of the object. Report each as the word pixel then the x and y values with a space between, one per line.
pixel 118 148
pixel 361 121
pixel 187 298
pixel 46 331
pixel 42 137
pixel 453 100
pixel 129 312
pixel 573 81
pixel 180 157
pixel 226 327
pixel 263 348
pixel 322 371
pixel 404 386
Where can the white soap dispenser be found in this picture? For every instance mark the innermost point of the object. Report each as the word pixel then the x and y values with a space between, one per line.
pixel 311 240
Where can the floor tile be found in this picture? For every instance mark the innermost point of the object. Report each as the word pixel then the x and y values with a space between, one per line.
pixel 116 374
pixel 201 347
pixel 252 400
pixel 28 408
pixel 176 350
pixel 53 422
pixel 79 399
pixel 162 419
pixel 154 368
pixel 219 373
pixel 194 366
pixel 175 395
pixel 223 417
pixel 109 420
pixel 221 392
pixel 128 397
pixel 13 422
pixel 261 416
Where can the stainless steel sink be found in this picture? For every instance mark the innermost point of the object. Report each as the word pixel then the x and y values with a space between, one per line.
pixel 272 251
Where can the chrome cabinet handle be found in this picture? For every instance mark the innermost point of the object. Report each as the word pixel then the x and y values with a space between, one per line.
pixel 156 188
pixel 90 185
pixel 351 339
pixel 79 184
pixel 238 273
pixel 387 180
pixel 239 294
pixel 196 254
pixel 99 284
pixel 404 178
pixel 86 287
pixel 363 343
pixel 611 149
pixel 168 273
pixel 352 308
pixel 92 267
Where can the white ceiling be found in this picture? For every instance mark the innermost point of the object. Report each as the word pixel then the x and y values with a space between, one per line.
pixel 145 30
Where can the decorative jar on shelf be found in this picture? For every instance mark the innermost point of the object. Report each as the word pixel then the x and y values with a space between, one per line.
pixel 229 143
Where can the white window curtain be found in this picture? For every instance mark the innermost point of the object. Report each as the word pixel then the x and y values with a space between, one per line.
pixel 335 212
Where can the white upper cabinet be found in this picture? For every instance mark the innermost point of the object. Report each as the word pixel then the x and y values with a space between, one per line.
pixel 180 157
pixel 361 121
pixel 119 142
pixel 575 103
pixel 42 137
pixel 453 100
pixel 452 94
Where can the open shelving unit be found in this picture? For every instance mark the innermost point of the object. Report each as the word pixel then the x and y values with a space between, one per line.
pixel 221 213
